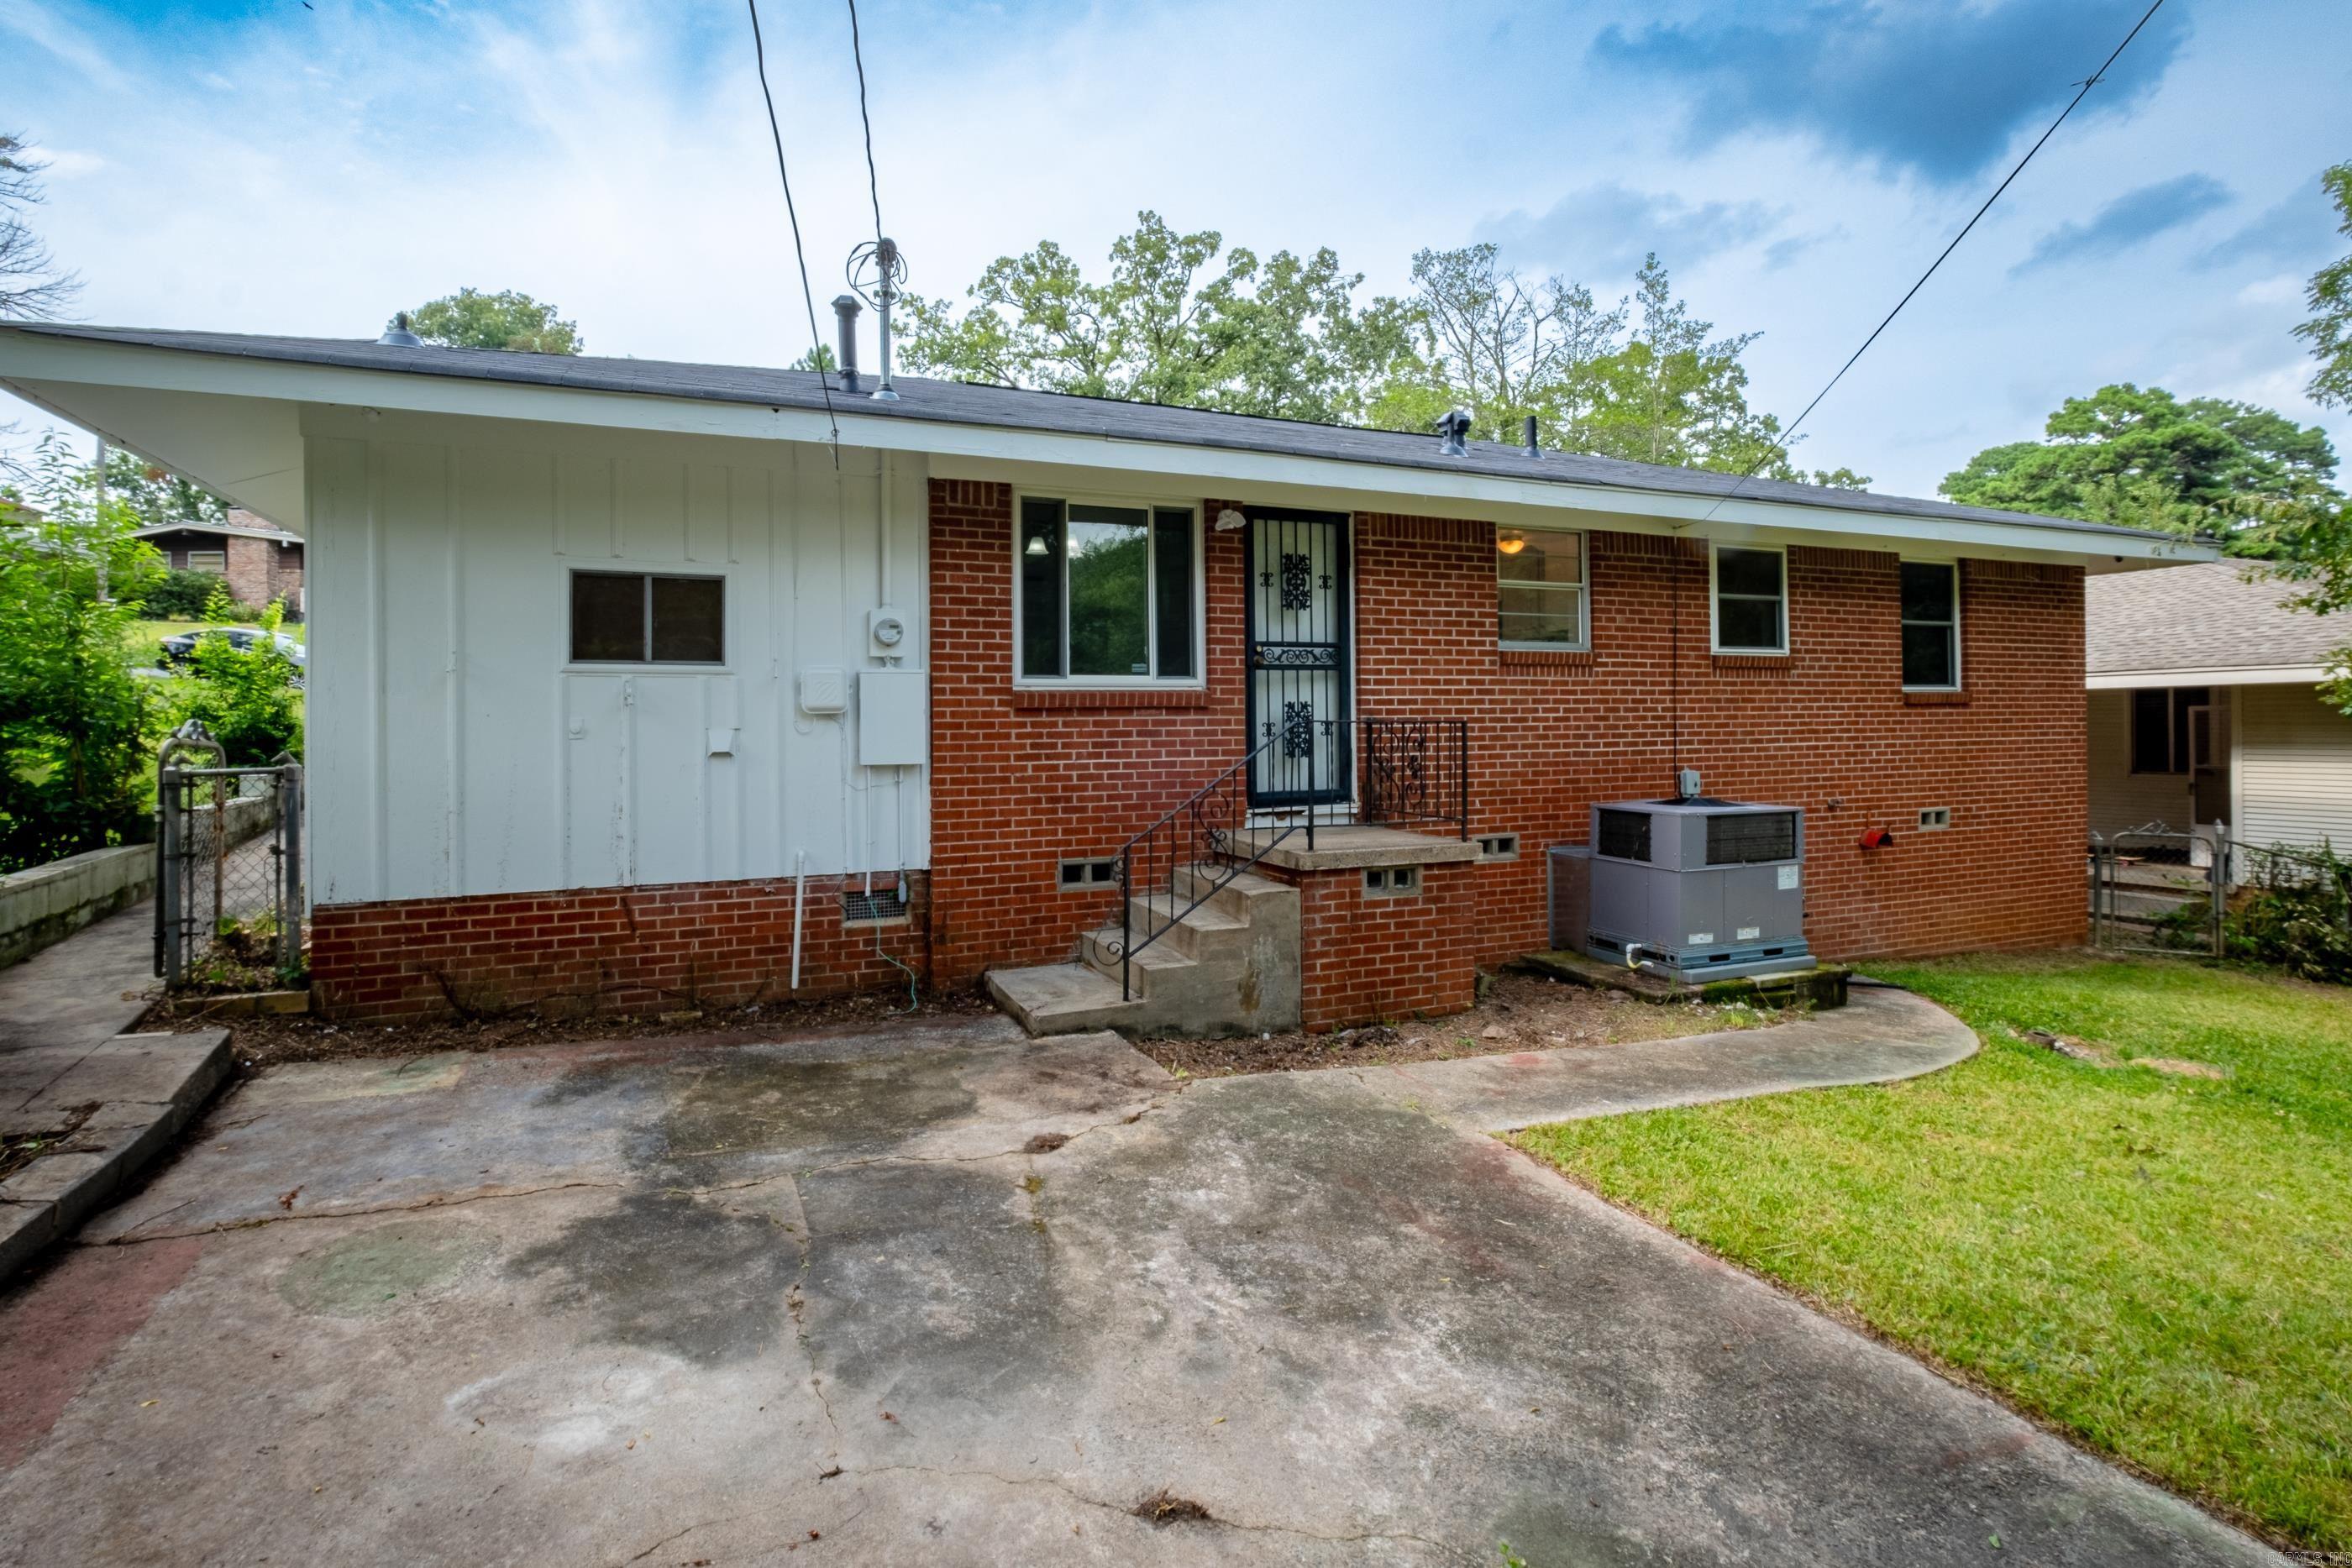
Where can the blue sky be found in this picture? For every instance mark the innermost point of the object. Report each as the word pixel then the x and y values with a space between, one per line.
pixel 267 166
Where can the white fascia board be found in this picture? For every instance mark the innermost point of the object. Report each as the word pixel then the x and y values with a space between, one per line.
pixel 984 452
pixel 2247 675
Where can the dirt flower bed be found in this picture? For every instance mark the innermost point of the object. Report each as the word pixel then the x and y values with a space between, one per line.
pixel 1521 1012
pixel 264 1042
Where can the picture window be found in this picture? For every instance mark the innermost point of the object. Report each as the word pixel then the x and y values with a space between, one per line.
pixel 1106 593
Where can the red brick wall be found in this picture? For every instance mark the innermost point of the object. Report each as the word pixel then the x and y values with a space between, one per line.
pixel 1021 779
pixel 262 569
pixel 637 949
pixel 1369 957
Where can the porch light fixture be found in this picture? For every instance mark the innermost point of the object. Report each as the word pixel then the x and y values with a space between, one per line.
pixel 1511 543
pixel 1037 546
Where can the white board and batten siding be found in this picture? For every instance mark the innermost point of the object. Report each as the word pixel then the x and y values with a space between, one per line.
pixel 2293 754
pixel 456 750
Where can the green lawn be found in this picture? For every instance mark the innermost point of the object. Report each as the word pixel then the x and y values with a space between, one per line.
pixel 2159 1265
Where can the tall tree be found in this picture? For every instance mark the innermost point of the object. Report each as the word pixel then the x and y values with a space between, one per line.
pixel 1280 336
pixel 470 318
pixel 33 287
pixel 2142 458
pixel 2329 331
pixel 2316 549
pixel 157 495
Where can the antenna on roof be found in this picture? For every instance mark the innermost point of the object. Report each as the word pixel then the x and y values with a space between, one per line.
pixel 877 268
pixel 399 336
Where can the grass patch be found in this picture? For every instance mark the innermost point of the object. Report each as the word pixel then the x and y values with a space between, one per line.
pixel 2159 1265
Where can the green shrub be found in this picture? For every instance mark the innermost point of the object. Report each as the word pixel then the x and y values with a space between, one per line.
pixel 75 724
pixel 2296 916
pixel 179 595
pixel 246 697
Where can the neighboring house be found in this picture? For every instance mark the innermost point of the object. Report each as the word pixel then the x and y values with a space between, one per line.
pixel 634 688
pixel 261 561
pixel 2203 708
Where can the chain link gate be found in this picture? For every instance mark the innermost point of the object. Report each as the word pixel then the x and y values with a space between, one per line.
pixel 228 862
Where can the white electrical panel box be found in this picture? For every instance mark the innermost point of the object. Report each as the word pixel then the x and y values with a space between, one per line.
pixel 825 690
pixel 893 719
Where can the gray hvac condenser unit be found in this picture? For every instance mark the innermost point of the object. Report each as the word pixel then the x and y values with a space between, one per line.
pixel 1698 888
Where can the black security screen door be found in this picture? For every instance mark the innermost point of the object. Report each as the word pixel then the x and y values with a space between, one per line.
pixel 1298 657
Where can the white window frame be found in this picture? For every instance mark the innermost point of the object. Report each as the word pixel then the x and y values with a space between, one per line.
pixel 219 556
pixel 1199 680
pixel 1959 676
pixel 1583 642
pixel 727 623
pixel 1715 597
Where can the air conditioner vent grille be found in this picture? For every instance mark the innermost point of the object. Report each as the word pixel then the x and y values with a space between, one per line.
pixel 1745 837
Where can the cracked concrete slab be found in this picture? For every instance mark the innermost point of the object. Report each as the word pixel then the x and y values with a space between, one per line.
pixel 946 1295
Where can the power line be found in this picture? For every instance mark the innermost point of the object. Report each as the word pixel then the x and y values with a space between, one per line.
pixel 2082 91
pixel 873 182
pixel 808 297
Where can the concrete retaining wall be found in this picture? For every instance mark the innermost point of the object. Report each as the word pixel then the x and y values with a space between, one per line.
pixel 49 903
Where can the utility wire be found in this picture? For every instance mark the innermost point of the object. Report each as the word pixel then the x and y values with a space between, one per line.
pixel 808 297
pixel 2082 91
pixel 873 182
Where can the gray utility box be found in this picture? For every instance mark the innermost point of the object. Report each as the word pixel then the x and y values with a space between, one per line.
pixel 1700 888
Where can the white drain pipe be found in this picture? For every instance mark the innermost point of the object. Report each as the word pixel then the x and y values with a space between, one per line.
pixel 800 887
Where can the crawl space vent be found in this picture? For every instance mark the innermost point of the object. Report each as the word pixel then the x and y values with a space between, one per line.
pixel 866 908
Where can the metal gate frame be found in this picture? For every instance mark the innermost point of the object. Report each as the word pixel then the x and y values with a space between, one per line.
pixel 183 933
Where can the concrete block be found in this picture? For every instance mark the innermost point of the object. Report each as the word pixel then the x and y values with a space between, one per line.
pixel 50 1176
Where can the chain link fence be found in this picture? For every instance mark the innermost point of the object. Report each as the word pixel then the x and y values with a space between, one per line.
pixel 228 886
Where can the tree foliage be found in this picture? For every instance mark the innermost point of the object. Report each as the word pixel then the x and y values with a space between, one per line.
pixel 2144 459
pixel 246 697
pixel 470 318
pixel 1285 336
pixel 1280 336
pixel 156 495
pixel 2329 331
pixel 74 721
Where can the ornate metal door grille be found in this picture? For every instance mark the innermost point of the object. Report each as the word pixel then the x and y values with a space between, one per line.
pixel 1297 641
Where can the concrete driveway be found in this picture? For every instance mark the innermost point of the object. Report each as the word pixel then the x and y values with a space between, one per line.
pixel 951 1296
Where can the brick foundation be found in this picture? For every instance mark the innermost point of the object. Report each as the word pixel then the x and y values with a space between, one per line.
pixel 638 950
pixel 1369 958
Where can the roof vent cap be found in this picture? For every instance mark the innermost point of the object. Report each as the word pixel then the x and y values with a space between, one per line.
pixel 399 336
pixel 1451 428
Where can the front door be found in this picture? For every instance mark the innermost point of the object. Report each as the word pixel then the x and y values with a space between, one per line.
pixel 1298 657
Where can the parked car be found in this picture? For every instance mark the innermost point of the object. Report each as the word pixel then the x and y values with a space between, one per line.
pixel 181 646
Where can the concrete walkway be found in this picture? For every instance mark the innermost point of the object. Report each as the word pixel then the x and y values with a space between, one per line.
pixel 1880 1036
pixel 65 1067
pixel 946 1295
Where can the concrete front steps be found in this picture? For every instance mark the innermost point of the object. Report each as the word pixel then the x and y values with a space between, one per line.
pixel 1230 967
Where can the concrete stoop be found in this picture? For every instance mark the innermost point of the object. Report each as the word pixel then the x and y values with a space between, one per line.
pixel 1230 967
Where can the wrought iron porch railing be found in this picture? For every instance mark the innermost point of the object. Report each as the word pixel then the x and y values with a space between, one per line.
pixel 1405 772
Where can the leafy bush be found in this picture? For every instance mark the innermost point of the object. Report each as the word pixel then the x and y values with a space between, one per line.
pixel 75 724
pixel 179 595
pixel 246 697
pixel 2297 916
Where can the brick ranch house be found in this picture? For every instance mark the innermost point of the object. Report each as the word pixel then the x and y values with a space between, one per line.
pixel 633 686
pixel 259 560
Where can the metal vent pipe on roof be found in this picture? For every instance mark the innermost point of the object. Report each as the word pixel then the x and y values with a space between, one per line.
pixel 1452 430
pixel 399 336
pixel 846 310
pixel 1535 446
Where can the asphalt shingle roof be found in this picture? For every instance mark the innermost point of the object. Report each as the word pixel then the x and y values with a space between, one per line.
pixel 2202 617
pixel 969 404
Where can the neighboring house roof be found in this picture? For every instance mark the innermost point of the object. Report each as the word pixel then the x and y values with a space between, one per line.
pixel 2203 624
pixel 257 530
pixel 1004 408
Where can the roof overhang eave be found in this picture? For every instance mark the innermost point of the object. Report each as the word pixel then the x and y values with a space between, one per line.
pixel 958 449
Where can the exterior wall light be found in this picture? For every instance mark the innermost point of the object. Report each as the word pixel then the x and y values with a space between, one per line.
pixel 1511 543
pixel 1038 545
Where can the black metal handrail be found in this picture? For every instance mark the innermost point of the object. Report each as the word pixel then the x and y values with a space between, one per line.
pixel 1412 770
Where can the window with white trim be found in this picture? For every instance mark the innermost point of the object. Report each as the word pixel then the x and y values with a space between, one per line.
pixel 1106 593
pixel 1931 625
pixel 1750 598
pixel 209 561
pixel 1540 577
